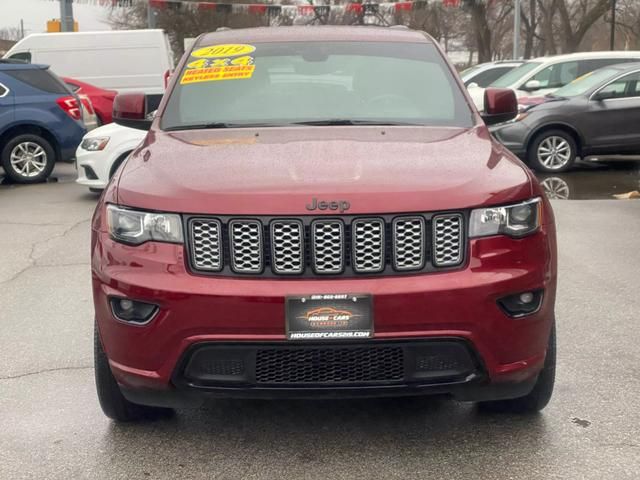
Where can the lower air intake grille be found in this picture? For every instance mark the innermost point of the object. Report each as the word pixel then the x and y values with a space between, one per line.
pixel 329 365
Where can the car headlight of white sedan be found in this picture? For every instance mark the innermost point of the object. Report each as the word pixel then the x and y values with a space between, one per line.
pixel 94 144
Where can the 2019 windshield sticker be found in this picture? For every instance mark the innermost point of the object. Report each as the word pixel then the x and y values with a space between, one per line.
pixel 224 50
pixel 220 62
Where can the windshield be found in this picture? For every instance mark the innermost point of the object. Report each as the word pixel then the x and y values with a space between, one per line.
pixel 340 83
pixel 470 71
pixel 515 75
pixel 585 83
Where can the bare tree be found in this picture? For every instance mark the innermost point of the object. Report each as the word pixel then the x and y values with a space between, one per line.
pixel 576 18
pixel 483 26
pixel 10 33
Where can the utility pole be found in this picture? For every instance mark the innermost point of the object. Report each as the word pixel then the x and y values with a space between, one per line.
pixel 151 16
pixel 516 30
pixel 66 15
pixel 21 29
pixel 613 25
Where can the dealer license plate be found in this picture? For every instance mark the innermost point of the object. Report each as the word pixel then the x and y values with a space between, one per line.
pixel 329 317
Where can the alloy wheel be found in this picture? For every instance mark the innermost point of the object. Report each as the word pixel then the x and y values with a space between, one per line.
pixel 555 188
pixel 554 152
pixel 28 159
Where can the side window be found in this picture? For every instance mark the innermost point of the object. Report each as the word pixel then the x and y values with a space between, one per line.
pixel 586 66
pixel 558 75
pixel 487 77
pixel 3 90
pixel 24 56
pixel 628 86
pixel 40 79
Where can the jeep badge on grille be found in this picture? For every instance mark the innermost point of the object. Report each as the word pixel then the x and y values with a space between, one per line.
pixel 341 205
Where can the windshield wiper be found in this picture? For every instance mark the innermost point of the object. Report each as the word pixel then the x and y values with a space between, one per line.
pixel 198 126
pixel 212 125
pixel 328 122
pixel 344 121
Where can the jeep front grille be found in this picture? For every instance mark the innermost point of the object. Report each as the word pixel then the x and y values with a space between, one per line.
pixel 206 244
pixel 368 245
pixel 408 238
pixel 447 240
pixel 345 245
pixel 287 246
pixel 246 246
pixel 327 238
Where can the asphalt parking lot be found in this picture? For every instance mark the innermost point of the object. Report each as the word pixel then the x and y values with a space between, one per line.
pixel 52 426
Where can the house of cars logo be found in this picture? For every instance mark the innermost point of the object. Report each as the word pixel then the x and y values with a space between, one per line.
pixel 328 317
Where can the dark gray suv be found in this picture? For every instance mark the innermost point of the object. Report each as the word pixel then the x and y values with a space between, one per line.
pixel 597 114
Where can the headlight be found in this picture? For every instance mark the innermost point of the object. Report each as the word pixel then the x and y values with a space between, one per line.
pixel 521 116
pixel 94 144
pixel 135 227
pixel 513 220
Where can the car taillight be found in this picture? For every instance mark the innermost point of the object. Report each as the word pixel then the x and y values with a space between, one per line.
pixel 70 106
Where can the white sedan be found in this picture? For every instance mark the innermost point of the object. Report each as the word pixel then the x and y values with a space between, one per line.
pixel 102 151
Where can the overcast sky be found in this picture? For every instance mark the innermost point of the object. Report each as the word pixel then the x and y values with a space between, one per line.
pixel 35 14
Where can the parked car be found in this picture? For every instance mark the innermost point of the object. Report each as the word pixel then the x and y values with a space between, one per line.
pixel 102 151
pixel 296 175
pixel 597 114
pixel 101 99
pixel 546 74
pixel 483 74
pixel 40 121
pixel 121 60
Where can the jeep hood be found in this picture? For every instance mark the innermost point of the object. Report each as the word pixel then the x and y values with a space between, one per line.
pixel 278 171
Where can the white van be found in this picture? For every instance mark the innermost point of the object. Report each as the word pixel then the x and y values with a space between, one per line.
pixel 122 60
pixel 540 76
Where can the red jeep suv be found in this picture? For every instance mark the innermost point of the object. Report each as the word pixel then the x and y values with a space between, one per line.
pixel 320 213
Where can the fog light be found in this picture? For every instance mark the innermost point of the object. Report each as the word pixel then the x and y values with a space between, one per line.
pixel 526 297
pixel 126 305
pixel 521 304
pixel 132 311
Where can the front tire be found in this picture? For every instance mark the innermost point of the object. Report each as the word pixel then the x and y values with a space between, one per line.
pixel 113 403
pixel 552 151
pixel 28 158
pixel 542 391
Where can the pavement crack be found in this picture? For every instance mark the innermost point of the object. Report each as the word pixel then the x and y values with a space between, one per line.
pixel 62 234
pixel 33 262
pixel 45 370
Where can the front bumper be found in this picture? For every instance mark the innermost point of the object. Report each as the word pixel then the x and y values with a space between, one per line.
pixel 91 164
pixel 513 135
pixel 148 361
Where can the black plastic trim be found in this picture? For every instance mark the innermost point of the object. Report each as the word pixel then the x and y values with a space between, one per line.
pixel 411 348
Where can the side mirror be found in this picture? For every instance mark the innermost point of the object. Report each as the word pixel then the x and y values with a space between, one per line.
pixel 166 77
pixel 472 85
pixel 500 105
pixel 130 110
pixel 532 86
pixel 603 95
